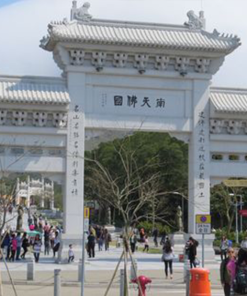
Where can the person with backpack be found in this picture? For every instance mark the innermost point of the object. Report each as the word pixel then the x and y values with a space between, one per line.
pixel 224 245
pixel 191 250
pixel 167 257
pixel 242 253
pixel 228 271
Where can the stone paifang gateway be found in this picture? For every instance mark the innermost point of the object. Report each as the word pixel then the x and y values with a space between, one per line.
pixel 126 76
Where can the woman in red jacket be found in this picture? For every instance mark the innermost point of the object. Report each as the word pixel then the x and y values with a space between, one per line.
pixel 13 247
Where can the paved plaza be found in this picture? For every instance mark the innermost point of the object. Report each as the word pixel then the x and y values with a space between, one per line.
pixel 99 271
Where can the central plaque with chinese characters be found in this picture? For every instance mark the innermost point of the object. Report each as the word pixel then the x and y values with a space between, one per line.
pixel 139 102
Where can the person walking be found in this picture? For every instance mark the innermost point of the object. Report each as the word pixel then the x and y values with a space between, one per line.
pixel 71 254
pixel 142 235
pixel 191 249
pixel 25 245
pixel 133 241
pixel 224 244
pixel 168 258
pixel 155 237
pixel 146 244
pixel 19 244
pixel 100 239
pixel 52 236
pixel 13 247
pixel 6 245
pixel 37 248
pixel 47 242
pixel 91 245
pixel 107 239
pixel 56 244
pixel 228 271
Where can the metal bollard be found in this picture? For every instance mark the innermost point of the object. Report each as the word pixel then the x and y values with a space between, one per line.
pixel 79 270
pixel 188 282
pixel 186 267
pixel 122 282
pixel 30 270
pixel 57 282
pixel 133 270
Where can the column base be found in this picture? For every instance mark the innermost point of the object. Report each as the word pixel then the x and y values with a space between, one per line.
pixel 178 240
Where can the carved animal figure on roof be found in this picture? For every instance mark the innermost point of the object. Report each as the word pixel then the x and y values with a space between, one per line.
pixel 82 13
pixel 195 22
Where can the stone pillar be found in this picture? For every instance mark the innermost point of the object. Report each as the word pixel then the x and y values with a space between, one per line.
pixel 42 197
pixel 17 195
pixel 74 177
pixel 199 159
pixel 52 196
pixel 28 191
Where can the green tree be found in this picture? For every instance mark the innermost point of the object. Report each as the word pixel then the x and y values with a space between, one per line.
pixel 136 174
pixel 222 206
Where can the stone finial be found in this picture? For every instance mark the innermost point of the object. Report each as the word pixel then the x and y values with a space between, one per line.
pixel 74 4
pixel 81 13
pixel 195 22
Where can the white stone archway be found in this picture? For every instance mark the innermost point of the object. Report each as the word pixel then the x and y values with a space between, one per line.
pixel 126 76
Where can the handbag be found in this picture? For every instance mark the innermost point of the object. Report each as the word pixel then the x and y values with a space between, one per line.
pixel 197 262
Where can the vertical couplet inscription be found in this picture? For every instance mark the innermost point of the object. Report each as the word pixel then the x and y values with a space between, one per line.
pixel 201 152
pixel 76 150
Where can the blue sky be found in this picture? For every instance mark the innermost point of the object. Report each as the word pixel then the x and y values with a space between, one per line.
pixel 24 22
pixel 7 2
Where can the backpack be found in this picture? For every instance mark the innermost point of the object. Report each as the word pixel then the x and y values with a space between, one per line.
pixel 240 283
pixel 196 243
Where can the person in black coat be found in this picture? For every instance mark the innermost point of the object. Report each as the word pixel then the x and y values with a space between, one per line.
pixel 191 250
pixel 6 245
pixel 91 245
pixel 25 245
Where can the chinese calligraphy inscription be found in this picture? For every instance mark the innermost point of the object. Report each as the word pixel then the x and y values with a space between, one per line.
pixel 76 141
pixel 201 153
pixel 138 101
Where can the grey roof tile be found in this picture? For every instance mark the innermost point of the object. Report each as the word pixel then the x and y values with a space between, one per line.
pixel 33 93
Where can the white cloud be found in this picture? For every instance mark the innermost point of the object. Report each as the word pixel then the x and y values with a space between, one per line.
pixel 23 24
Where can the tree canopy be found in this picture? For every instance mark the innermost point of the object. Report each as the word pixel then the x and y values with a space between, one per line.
pixel 141 170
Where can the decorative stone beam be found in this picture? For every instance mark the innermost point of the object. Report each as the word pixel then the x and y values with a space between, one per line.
pixel 228 126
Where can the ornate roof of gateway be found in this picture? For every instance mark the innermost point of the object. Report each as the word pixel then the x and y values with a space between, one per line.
pixel 229 100
pixel 191 36
pixel 33 92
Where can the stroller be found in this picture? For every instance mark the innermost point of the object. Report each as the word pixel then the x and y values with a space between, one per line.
pixel 240 282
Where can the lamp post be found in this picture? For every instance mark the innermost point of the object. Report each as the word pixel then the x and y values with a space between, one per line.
pixel 236 204
pixel 241 217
